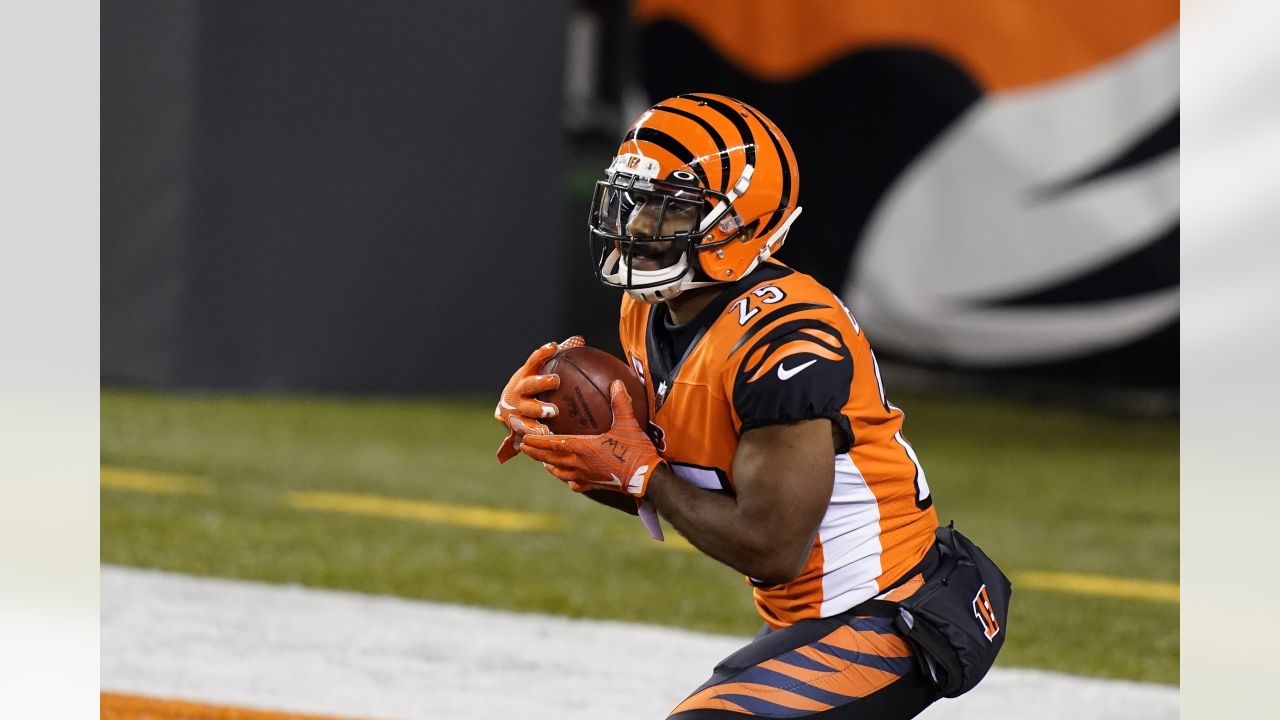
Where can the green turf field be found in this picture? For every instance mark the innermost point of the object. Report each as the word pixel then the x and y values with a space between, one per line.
pixel 1042 490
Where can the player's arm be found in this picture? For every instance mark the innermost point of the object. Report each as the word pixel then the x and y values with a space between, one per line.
pixel 783 477
pixel 787 391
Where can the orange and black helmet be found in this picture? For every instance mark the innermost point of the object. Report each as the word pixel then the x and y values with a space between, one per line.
pixel 711 159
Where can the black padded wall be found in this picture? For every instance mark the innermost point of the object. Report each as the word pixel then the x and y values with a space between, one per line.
pixel 330 195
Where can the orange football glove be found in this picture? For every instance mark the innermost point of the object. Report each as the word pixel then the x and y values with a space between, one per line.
pixel 518 409
pixel 621 460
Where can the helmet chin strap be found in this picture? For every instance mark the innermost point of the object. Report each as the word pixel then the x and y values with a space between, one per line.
pixel 653 296
pixel 678 279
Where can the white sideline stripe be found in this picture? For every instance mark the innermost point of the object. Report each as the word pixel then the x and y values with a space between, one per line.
pixel 290 648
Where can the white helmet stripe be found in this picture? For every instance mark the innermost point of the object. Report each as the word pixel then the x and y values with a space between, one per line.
pixel 740 186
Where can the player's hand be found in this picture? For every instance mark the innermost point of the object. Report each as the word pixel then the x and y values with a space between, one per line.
pixel 518 409
pixel 621 460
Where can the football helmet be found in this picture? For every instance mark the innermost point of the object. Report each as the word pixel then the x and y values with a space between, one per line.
pixel 702 190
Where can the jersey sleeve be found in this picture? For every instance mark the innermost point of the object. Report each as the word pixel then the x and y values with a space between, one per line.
pixel 799 370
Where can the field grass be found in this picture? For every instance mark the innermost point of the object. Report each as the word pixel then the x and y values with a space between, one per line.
pixel 1041 490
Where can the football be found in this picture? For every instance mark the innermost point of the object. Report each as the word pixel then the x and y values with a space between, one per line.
pixel 583 396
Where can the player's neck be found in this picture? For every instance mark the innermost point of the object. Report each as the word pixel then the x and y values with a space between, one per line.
pixel 687 304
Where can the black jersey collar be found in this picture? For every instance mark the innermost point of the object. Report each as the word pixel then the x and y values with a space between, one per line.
pixel 669 346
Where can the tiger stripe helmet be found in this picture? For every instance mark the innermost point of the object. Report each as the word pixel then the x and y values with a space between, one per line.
pixel 714 168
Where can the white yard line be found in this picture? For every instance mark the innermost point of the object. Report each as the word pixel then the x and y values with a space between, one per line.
pixel 338 653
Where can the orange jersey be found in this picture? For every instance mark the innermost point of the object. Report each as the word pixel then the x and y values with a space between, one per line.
pixel 779 347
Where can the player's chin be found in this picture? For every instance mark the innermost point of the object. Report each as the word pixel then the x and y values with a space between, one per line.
pixel 646 264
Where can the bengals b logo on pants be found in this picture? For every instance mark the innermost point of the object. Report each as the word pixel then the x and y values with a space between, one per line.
pixel 987 616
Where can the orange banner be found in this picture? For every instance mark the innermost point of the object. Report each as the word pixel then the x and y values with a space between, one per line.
pixel 1002 44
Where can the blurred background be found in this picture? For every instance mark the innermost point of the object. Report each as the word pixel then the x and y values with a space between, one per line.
pixel 331 230
pixel 306 196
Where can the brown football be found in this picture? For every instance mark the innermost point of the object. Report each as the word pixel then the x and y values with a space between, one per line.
pixel 583 396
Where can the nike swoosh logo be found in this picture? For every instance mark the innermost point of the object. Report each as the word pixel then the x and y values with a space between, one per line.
pixel 785 374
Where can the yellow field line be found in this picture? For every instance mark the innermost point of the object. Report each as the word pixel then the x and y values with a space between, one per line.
pixel 487 518
pixel 465 515
pixel 1098 585
pixel 118 478
pixel 1074 583
pixel 672 540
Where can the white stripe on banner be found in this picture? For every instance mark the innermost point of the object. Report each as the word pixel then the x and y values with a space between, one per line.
pixel 989 212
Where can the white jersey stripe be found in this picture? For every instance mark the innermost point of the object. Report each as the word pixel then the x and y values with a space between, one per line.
pixel 850 538
pixel 921 483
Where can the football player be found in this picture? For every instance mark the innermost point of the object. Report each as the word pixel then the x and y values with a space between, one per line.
pixel 772 446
